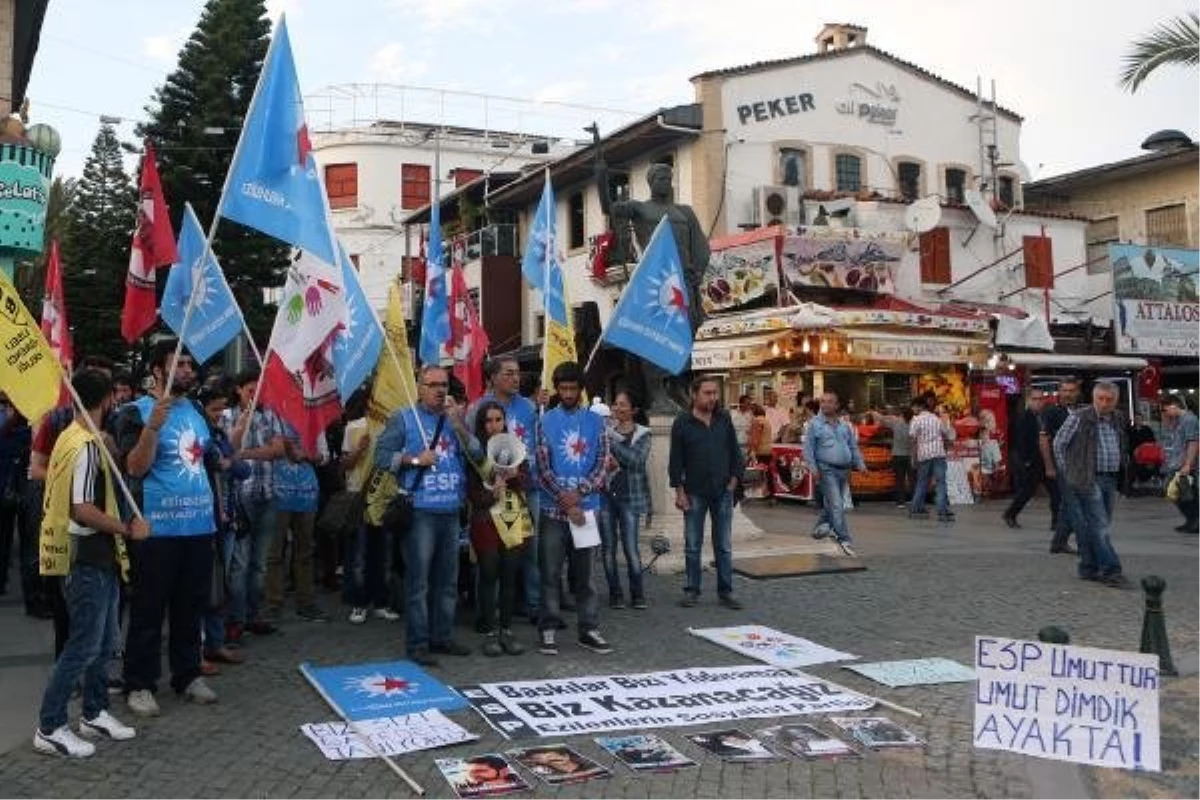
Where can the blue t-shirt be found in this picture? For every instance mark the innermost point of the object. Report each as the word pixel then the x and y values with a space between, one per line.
pixel 574 440
pixel 443 486
pixel 176 497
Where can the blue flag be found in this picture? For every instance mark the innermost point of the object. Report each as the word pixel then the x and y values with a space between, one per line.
pixel 216 320
pixel 542 235
pixel 435 316
pixel 358 344
pixel 385 689
pixel 274 183
pixel 651 320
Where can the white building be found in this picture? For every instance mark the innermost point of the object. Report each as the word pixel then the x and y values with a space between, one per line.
pixel 378 174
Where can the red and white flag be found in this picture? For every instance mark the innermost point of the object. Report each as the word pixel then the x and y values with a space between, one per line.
pixel 306 399
pixel 468 340
pixel 312 307
pixel 54 317
pixel 153 247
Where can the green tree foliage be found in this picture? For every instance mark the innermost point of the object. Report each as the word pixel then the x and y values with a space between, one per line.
pixel 210 90
pixel 96 232
pixel 1176 41
pixel 31 275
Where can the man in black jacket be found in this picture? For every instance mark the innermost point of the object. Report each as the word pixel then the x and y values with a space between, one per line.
pixel 1027 460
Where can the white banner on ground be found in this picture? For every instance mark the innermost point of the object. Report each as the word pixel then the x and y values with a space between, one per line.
pixel 391 736
pixel 656 700
pixel 771 646
pixel 1067 703
pixel 914 672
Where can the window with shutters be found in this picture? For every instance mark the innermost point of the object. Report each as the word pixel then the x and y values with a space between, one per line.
pixel 1039 262
pixel 1100 234
pixel 792 168
pixel 847 172
pixel 1167 225
pixel 908 175
pixel 956 185
pixel 1006 190
pixel 414 185
pixel 341 185
pixel 577 238
pixel 463 176
pixel 935 255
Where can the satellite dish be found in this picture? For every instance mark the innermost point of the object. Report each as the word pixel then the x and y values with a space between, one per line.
pixel 506 450
pixel 923 215
pixel 980 208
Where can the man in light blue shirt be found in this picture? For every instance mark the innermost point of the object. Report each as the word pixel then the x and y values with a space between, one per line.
pixel 831 451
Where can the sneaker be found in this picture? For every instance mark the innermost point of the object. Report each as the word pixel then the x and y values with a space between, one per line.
pixel 731 602
pixel 491 646
pixel 106 725
pixel 62 742
pixel 142 703
pixel 547 644
pixel 946 517
pixel 592 640
pixel 385 614
pixel 450 648
pixel 422 656
pixel 844 546
pixel 639 602
pixel 690 599
pixel 822 530
pixel 1117 581
pixel 616 601
pixel 312 613
pixel 199 693
pixel 358 616
pixel 510 644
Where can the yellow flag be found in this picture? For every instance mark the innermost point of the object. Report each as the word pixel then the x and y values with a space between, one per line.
pixel 29 372
pixel 559 341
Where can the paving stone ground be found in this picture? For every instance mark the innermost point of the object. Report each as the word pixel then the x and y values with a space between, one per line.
pixel 928 591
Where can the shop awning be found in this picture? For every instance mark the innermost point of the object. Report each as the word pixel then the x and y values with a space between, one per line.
pixel 735 352
pixel 1069 361
pixel 921 348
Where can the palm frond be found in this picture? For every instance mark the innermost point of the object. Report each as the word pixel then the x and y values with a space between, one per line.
pixel 1176 41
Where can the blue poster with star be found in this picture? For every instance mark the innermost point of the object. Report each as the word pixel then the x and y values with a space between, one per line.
pixel 382 689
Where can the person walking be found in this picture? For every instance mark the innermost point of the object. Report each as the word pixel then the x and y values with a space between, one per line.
pixel 929 435
pixel 704 468
pixel 1180 453
pixel 831 448
pixel 81 519
pixel 628 499
pixel 1090 450
pixel 1030 470
pixel 1053 417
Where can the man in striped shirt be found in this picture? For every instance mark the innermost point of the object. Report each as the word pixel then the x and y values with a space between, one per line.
pixel 928 434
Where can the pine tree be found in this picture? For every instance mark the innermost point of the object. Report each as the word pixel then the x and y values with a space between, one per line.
pixel 94 249
pixel 210 89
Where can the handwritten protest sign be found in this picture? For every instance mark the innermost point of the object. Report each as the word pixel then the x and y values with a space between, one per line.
pixel 771 646
pixel 914 672
pixel 1068 703
pixel 390 736
pixel 656 700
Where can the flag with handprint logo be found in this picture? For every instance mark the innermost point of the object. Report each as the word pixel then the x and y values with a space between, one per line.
pixel 307 398
pixel 312 307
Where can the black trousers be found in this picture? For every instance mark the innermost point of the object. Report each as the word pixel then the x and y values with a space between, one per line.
pixel 1028 476
pixel 500 566
pixel 171 579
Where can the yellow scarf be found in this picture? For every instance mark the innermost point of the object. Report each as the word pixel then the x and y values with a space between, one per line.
pixel 55 540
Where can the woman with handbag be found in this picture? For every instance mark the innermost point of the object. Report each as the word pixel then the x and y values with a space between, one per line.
pixel 500 524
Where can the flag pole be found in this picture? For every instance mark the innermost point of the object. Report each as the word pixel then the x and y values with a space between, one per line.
pixel 113 469
pixel 387 342
pixel 212 228
pixel 550 211
pixel 416 787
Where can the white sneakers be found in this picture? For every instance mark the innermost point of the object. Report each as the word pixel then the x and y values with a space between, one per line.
pixel 199 692
pixel 142 703
pixel 63 741
pixel 358 615
pixel 385 614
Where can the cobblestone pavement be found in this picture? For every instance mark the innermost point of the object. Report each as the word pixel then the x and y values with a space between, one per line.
pixel 928 591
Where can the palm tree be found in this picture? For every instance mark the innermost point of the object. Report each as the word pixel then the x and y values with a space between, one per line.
pixel 1175 41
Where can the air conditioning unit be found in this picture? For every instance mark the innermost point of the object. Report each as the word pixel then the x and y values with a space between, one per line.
pixel 777 205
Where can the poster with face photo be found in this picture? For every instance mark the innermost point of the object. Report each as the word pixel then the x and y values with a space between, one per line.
pixel 557 764
pixel 644 752
pixel 806 741
pixel 486 775
pixel 732 744
pixel 877 732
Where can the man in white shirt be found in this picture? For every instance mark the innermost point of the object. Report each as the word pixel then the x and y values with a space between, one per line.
pixel 928 435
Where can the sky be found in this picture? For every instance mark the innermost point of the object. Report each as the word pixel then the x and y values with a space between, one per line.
pixel 553 66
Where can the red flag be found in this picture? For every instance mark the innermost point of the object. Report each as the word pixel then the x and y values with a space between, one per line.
pixel 468 340
pixel 308 399
pixel 54 317
pixel 153 246
pixel 417 270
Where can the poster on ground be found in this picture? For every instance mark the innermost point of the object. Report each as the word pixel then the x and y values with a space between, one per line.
pixel 1157 300
pixel 771 646
pixel 382 689
pixel 388 736
pixel 486 775
pixel 644 752
pixel 647 700
pixel 557 764
pixel 1067 703
pixel 914 671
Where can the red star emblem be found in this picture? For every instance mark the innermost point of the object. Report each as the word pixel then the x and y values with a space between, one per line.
pixel 444 444
pixel 579 447
pixel 393 684
pixel 195 452
pixel 677 298
pixel 303 145
pixel 518 430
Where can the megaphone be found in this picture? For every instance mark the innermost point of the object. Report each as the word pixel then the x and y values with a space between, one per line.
pixel 506 450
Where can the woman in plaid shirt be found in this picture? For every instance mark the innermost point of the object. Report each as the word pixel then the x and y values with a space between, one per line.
pixel 628 499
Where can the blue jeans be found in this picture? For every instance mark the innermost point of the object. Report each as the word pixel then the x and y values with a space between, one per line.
pixel 533 576
pixel 369 568
pixel 214 615
pixel 935 467
pixel 1093 514
pixel 720 510
pixel 835 485
pixel 248 575
pixel 556 545
pixel 622 527
pixel 430 578
pixel 93 594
